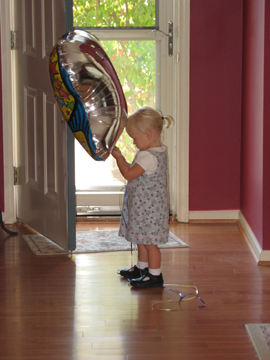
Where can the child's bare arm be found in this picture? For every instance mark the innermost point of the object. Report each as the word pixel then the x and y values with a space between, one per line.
pixel 128 172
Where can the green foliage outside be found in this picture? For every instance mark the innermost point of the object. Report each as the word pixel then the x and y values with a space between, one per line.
pixel 134 61
pixel 114 13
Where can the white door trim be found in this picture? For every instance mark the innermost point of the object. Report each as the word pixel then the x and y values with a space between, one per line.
pixel 181 101
pixel 9 215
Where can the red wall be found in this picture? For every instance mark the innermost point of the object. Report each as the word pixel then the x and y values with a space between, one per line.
pixel 253 132
pixel 215 104
pixel 266 141
pixel 252 124
pixel 1 141
pixel 255 171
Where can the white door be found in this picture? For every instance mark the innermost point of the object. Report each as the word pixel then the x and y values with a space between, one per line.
pixel 41 134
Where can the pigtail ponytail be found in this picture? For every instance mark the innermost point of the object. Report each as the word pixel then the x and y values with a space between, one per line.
pixel 167 121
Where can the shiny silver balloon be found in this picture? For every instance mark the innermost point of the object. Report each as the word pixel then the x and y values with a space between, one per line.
pixel 88 92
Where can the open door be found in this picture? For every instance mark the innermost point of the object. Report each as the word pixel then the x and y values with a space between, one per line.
pixel 44 166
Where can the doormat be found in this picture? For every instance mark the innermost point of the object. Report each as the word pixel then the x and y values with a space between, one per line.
pixel 91 242
pixel 260 336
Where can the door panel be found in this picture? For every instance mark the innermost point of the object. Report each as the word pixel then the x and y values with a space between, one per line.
pixel 41 134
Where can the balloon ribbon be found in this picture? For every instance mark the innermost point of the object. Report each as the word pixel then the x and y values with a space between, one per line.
pixel 185 297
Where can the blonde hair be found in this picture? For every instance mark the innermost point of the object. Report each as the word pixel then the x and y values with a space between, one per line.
pixel 148 118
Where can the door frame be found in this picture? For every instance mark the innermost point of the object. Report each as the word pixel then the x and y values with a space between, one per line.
pixel 177 92
pixel 9 214
pixel 180 113
pixel 71 196
pixel 181 93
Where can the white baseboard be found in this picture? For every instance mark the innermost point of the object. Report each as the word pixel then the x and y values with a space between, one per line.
pixel 259 254
pixel 214 215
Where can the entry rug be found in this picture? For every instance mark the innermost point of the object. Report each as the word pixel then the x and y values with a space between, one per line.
pixel 91 242
pixel 260 336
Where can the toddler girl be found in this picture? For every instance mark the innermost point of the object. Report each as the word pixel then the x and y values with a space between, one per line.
pixel 146 212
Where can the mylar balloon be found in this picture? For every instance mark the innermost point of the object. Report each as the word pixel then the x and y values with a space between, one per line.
pixel 88 92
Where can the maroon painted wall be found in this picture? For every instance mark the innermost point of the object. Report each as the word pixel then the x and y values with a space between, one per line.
pixel 255 169
pixel 1 140
pixel 266 140
pixel 252 117
pixel 215 104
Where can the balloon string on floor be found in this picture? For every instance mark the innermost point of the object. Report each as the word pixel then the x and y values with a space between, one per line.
pixel 185 297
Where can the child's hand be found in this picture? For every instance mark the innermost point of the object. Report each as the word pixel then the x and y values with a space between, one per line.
pixel 116 153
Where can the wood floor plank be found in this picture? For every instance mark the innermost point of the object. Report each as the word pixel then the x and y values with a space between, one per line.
pixel 76 307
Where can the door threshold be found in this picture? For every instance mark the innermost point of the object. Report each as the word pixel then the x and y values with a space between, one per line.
pixel 98 219
pixel 108 219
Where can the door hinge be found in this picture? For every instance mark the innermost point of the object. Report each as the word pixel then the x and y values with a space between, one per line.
pixel 13 40
pixel 170 38
pixel 16 176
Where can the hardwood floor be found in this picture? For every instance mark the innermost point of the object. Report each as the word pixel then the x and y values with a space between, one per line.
pixel 63 308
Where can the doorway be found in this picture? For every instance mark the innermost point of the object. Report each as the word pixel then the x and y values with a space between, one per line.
pixel 135 36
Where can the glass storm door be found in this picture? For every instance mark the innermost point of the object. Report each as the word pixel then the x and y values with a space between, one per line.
pixel 133 33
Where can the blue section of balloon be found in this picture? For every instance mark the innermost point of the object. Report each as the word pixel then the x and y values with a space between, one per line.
pixel 78 120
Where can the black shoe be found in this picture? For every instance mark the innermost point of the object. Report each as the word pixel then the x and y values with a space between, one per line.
pixel 147 281
pixel 133 273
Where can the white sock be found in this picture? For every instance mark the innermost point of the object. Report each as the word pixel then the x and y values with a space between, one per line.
pixel 155 272
pixel 142 265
